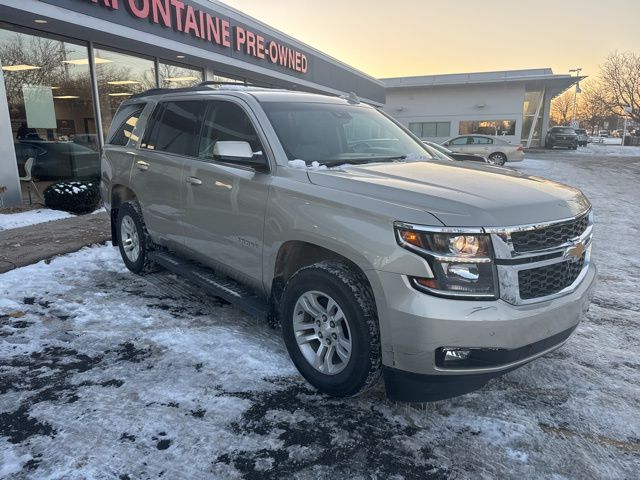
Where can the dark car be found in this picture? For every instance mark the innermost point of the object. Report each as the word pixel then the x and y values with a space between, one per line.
pixel 57 160
pixel 455 155
pixel 561 137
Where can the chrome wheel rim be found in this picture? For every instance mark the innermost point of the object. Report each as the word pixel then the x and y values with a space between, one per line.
pixel 322 332
pixel 496 160
pixel 129 238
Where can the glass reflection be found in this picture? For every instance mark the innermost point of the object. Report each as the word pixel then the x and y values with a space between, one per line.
pixel 119 76
pixel 178 76
pixel 50 106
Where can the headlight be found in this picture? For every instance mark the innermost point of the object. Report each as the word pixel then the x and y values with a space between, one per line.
pixel 461 261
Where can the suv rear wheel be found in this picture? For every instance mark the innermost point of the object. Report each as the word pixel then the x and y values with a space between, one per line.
pixel 330 328
pixel 133 239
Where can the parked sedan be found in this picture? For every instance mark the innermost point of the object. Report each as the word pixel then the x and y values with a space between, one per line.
pixel 495 150
pixel 561 137
pixel 455 155
pixel 57 160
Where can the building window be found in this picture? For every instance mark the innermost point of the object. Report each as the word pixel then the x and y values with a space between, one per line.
pixel 178 76
pixel 119 76
pixel 532 104
pixel 50 106
pixel 431 129
pixel 488 127
pixel 224 78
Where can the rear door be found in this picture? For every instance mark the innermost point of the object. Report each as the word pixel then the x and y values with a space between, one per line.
pixel 226 204
pixel 480 146
pixel 170 137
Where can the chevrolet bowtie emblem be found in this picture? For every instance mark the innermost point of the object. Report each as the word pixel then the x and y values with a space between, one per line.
pixel 575 253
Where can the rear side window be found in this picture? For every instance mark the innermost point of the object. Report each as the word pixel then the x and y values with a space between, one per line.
pixel 123 124
pixel 175 127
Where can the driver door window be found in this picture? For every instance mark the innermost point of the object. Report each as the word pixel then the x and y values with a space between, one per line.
pixel 226 121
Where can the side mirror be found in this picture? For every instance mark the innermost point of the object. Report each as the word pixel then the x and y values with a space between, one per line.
pixel 239 153
pixel 445 144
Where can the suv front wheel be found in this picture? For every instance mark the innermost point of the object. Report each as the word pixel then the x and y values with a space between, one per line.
pixel 330 327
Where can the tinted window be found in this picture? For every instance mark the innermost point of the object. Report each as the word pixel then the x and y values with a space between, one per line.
pixel 123 124
pixel 178 129
pixel 459 141
pixel 226 121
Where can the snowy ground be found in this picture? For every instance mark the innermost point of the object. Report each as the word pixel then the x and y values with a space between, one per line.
pixel 9 221
pixel 107 375
pixel 598 149
pixel 30 217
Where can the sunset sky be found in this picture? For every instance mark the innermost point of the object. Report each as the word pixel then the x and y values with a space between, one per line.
pixel 420 37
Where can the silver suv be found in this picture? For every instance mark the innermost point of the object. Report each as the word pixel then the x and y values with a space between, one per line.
pixel 326 216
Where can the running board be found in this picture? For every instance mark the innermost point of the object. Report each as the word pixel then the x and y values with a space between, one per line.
pixel 213 283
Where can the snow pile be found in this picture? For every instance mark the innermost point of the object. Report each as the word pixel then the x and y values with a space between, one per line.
pixel 301 164
pixel 30 217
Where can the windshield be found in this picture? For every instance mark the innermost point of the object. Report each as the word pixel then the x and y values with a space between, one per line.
pixel 333 134
pixel 564 130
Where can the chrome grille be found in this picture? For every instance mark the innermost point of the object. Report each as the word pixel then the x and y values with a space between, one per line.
pixel 549 279
pixel 549 236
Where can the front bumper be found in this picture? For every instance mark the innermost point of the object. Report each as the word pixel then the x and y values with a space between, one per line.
pixel 417 324
pixel 563 142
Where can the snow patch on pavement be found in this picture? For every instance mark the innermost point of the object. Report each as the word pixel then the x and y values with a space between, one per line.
pixel 9 221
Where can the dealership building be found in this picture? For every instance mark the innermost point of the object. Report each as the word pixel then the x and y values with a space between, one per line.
pixel 68 64
pixel 512 104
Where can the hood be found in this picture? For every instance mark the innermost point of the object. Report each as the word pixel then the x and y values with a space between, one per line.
pixel 459 195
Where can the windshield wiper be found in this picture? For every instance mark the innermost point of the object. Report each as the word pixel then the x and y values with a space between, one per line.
pixel 361 161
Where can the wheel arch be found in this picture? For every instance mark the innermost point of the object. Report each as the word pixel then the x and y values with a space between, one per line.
pixel 119 194
pixel 293 255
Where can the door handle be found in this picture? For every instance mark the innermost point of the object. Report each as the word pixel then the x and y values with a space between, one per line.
pixel 194 181
pixel 142 165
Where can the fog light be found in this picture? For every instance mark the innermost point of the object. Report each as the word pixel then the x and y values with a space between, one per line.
pixel 456 354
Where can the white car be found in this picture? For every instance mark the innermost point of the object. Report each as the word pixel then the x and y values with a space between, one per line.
pixel 495 150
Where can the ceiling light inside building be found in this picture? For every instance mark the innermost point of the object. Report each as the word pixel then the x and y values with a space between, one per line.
pixel 122 82
pixel 19 68
pixel 85 61
pixel 65 97
pixel 181 79
pixel 40 20
pixel 120 94
pixel 179 56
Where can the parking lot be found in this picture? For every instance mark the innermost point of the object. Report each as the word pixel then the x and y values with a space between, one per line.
pixel 107 375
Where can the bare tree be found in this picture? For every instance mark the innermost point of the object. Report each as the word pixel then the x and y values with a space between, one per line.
pixel 593 104
pixel 620 76
pixel 562 108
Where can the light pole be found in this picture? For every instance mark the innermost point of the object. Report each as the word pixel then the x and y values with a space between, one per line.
pixel 577 71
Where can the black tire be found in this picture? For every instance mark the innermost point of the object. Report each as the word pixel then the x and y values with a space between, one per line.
pixel 351 292
pixel 497 158
pixel 141 263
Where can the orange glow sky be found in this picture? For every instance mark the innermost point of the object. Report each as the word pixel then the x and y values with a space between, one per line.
pixel 421 37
